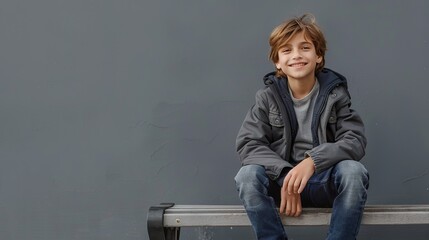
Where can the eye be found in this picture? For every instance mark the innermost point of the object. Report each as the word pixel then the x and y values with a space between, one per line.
pixel 285 50
pixel 306 47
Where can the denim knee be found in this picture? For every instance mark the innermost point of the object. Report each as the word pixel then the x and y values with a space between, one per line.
pixel 351 172
pixel 250 174
pixel 251 180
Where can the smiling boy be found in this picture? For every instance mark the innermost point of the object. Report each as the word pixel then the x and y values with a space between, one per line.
pixel 300 143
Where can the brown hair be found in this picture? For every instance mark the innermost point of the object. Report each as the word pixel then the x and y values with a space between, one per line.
pixel 288 29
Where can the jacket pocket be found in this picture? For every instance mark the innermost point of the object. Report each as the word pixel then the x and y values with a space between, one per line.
pixel 277 128
pixel 275 119
pixel 333 116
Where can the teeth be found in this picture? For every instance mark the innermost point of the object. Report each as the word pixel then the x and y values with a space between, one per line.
pixel 297 64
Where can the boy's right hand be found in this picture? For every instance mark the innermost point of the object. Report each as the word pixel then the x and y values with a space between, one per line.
pixel 290 203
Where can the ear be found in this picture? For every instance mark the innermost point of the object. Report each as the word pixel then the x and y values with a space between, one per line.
pixel 319 59
pixel 278 66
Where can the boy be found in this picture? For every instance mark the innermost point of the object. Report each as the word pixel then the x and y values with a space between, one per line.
pixel 300 144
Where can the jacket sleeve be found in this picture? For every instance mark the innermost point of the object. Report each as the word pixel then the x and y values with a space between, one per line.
pixel 255 137
pixel 349 143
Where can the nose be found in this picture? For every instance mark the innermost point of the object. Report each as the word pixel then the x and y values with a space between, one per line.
pixel 296 54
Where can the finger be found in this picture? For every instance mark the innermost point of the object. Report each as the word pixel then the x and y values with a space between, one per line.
pixel 287 179
pixel 298 207
pixel 293 206
pixel 283 200
pixel 296 185
pixel 290 184
pixel 303 184
pixel 289 206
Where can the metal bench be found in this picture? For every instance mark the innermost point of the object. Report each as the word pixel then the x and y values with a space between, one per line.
pixel 165 220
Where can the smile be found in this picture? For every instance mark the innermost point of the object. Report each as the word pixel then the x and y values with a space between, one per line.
pixel 300 64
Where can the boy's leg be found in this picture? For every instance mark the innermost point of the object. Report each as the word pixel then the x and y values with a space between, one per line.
pixel 253 186
pixel 344 187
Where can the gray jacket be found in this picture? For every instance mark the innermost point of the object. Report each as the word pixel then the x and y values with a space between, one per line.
pixel 267 134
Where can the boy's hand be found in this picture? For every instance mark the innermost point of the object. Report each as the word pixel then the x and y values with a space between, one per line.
pixel 293 184
pixel 297 178
pixel 290 204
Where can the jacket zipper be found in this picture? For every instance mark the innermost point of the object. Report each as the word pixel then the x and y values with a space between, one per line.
pixel 320 111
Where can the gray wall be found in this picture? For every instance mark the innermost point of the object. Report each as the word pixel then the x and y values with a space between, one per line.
pixel 108 107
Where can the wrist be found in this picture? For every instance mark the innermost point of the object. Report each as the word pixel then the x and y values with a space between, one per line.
pixel 310 160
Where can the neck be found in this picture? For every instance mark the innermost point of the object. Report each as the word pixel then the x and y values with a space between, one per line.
pixel 302 87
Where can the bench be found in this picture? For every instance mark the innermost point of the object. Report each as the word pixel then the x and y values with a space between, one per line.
pixel 165 220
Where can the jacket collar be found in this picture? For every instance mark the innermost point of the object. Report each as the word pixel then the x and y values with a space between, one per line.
pixel 326 77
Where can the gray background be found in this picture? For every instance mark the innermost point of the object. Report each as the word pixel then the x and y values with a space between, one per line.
pixel 108 107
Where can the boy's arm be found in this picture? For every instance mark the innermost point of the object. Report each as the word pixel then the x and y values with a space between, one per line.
pixel 350 140
pixel 255 136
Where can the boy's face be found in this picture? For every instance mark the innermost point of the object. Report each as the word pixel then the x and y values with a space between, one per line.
pixel 298 58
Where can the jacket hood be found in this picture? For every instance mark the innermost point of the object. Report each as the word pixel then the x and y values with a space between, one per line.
pixel 325 77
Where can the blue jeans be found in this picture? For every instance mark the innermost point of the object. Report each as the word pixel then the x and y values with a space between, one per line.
pixel 342 187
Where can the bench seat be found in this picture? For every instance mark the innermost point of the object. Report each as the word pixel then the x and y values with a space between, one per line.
pixel 167 219
pixel 235 215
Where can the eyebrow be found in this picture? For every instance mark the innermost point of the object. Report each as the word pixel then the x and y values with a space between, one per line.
pixel 300 43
